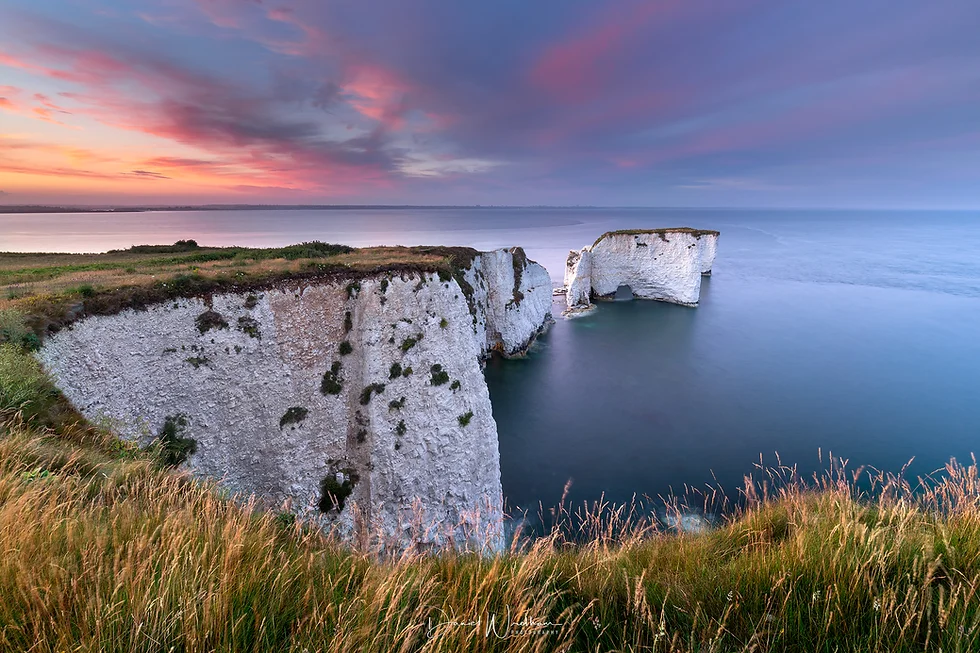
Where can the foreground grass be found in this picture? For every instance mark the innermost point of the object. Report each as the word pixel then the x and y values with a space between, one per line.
pixel 103 550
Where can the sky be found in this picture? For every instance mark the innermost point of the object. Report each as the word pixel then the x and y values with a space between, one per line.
pixel 767 103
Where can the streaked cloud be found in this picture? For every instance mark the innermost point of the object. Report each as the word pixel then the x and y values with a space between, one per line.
pixel 626 102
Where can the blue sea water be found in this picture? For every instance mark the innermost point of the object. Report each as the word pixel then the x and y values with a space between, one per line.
pixel 846 332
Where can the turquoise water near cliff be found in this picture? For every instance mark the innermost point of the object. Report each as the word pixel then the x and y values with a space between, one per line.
pixel 855 333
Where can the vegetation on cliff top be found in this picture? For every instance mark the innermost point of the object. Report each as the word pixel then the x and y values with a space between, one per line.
pixel 104 549
pixel 53 290
pixel 663 232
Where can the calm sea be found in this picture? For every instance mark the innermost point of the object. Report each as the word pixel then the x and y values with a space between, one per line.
pixel 844 332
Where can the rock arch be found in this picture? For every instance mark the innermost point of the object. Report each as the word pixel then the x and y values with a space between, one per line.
pixel 661 264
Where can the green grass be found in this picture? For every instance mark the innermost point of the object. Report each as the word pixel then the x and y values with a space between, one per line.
pixel 53 290
pixel 662 232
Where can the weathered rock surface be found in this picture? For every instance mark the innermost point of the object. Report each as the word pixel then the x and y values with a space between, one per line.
pixel 662 264
pixel 374 385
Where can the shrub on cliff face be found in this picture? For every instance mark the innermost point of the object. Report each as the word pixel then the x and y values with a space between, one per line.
pixel 171 446
pixel 465 418
pixel 249 326
pixel 345 348
pixel 439 376
pixel 395 371
pixel 210 319
pixel 410 342
pixel 331 385
pixel 293 415
pixel 334 493
pixel 370 390
pixel 396 404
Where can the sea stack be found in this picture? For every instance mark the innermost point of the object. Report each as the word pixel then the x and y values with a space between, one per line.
pixel 662 264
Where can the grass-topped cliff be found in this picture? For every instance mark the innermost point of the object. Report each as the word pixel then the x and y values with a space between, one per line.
pixel 662 232
pixel 105 547
pixel 52 290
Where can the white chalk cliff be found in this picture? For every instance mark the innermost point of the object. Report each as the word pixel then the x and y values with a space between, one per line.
pixel 662 264
pixel 311 389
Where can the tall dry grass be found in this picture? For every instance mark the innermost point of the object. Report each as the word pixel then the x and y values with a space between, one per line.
pixel 103 549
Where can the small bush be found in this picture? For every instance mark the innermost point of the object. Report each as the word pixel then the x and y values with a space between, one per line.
pixel 410 342
pixel 14 330
pixel 198 361
pixel 251 302
pixel 210 319
pixel 23 385
pixel 171 446
pixel 293 415
pixel 395 371
pixel 249 326
pixel 443 323
pixel 331 385
pixel 396 404
pixel 352 289
pixel 370 390
pixel 85 290
pixel 401 429
pixel 455 385
pixel 439 376
pixel 407 372
pixel 334 494
pixel 348 322
pixel 465 418
pixel 345 348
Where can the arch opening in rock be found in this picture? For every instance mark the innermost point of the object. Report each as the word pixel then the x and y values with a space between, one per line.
pixel 623 293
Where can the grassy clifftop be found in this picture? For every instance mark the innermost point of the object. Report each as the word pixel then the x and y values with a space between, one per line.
pixel 104 548
pixel 52 290
pixel 663 232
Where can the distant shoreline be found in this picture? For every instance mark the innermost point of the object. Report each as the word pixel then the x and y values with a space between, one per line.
pixel 6 209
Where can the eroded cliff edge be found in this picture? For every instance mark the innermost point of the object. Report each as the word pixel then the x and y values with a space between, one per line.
pixel 360 401
pixel 662 264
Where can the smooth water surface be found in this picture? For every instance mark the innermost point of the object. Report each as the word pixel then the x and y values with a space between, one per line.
pixel 852 333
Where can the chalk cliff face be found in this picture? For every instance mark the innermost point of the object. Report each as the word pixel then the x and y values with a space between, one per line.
pixel 663 264
pixel 511 295
pixel 578 277
pixel 369 391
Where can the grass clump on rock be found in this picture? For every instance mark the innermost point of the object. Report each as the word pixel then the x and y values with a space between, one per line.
pixel 410 342
pixel 439 376
pixel 334 493
pixel 396 404
pixel 171 446
pixel 249 326
pixel 293 415
pixel 368 391
pixel 210 319
pixel 331 384
pixel 395 371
